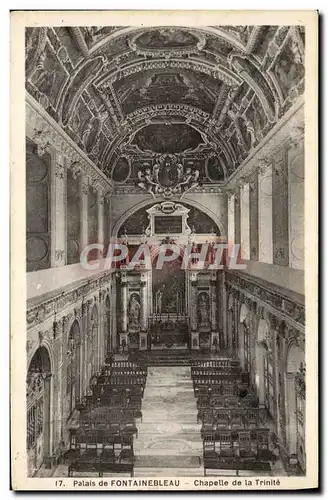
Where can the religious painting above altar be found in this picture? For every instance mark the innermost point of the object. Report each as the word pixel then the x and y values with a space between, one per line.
pixel 169 289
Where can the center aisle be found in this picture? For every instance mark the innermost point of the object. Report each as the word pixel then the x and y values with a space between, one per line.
pixel 169 441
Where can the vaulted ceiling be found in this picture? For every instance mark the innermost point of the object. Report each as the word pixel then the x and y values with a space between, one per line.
pixel 129 92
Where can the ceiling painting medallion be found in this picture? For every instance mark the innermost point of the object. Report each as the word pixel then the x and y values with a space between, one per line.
pixel 167 42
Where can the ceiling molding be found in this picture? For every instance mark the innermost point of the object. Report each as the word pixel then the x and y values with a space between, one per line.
pixel 279 134
pixel 38 121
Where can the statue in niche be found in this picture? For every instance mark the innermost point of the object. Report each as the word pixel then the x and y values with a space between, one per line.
pixel 134 312
pixel 203 310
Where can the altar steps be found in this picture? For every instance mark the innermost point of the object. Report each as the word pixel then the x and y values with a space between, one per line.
pixel 163 357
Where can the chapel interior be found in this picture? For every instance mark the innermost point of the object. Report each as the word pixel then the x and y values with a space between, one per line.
pixel 153 136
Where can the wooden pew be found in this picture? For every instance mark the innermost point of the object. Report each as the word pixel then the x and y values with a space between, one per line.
pixel 98 454
pixel 210 372
pixel 238 450
pixel 216 417
pixel 114 419
pixel 215 363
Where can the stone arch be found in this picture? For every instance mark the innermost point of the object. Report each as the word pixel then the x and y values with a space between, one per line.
pixel 120 222
pixel 39 394
pixel 74 318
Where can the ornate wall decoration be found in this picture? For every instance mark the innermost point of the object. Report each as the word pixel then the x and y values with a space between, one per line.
pixel 167 42
pixel 167 138
pixel 203 311
pixel 37 314
pixel 168 178
pixel 293 313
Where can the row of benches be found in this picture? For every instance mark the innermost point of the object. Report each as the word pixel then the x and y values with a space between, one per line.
pixel 215 418
pixel 248 401
pixel 234 431
pixel 108 418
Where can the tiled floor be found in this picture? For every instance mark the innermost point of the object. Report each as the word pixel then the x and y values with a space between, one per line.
pixel 169 442
pixel 169 435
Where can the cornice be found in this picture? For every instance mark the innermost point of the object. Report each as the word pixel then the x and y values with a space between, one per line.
pixel 280 134
pixel 43 308
pixel 276 303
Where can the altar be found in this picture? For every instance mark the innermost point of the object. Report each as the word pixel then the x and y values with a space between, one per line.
pixel 167 304
pixel 169 331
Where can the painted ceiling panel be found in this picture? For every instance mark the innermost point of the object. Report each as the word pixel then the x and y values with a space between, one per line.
pixel 213 90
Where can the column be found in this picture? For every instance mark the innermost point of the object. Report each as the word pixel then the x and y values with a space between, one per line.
pixel 280 214
pixel 265 213
pixel 193 312
pixel 291 414
pixel 237 218
pixel 58 210
pixel 252 340
pixel 124 312
pixel 113 312
pixel 84 348
pixel 244 222
pixel 231 222
pixel 101 330
pixel 101 221
pixel 214 327
pixel 253 218
pixel 83 192
pixel 144 313
pixel 235 322
pixel 59 343
pixel 296 204
pixel 47 421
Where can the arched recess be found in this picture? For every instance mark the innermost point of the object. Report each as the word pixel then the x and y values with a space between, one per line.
pixel 38 394
pixel 108 346
pixel 261 352
pixel 73 375
pixel 244 338
pixel 295 361
pixel 147 203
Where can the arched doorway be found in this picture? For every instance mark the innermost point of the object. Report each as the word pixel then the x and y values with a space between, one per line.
pixel 294 413
pixel 38 409
pixel 73 366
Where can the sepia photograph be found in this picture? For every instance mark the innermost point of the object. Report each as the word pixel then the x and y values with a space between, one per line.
pixel 162 178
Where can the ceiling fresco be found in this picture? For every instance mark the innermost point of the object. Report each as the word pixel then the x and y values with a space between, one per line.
pixel 208 95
